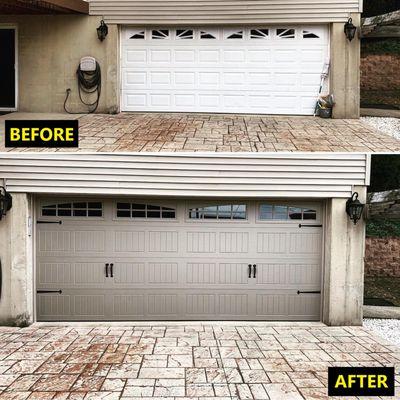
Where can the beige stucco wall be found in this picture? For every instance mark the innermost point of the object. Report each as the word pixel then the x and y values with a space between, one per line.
pixel 344 264
pixel 345 71
pixel 16 246
pixel 50 48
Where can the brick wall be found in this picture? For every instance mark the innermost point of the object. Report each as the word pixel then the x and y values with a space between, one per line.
pixel 380 72
pixel 382 257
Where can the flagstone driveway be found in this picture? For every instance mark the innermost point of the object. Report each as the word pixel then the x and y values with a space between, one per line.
pixel 216 132
pixel 211 361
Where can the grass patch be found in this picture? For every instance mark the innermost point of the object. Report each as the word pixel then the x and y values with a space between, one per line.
pixel 383 287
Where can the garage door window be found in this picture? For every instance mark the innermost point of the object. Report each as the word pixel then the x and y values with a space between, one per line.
pixel 138 35
pixel 285 33
pixel 73 209
pixel 160 34
pixel 259 33
pixel 146 211
pixel 207 35
pixel 270 212
pixel 219 212
pixel 184 33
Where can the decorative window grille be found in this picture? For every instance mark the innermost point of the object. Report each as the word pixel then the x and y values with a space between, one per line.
pixel 269 212
pixel 219 212
pixel 73 209
pixel 144 210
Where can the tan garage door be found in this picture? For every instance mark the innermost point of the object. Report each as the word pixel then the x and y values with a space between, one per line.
pixel 119 259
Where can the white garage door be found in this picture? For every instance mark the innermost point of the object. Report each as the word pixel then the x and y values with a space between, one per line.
pixel 157 260
pixel 269 70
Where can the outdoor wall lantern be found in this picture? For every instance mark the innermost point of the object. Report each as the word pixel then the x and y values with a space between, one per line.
pixel 102 30
pixel 5 202
pixel 350 30
pixel 354 208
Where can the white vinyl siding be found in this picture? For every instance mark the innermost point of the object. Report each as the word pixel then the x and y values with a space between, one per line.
pixel 316 175
pixel 182 12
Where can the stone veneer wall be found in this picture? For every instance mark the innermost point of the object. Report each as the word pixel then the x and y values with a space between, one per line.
pixel 382 257
pixel 380 79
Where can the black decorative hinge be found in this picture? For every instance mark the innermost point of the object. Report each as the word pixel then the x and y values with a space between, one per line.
pixel 49 222
pixel 309 226
pixel 49 291
pixel 311 291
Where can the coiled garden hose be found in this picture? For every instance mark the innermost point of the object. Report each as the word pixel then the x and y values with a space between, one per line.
pixel 88 82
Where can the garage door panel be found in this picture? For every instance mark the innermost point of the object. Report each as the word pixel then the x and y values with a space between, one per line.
pixel 163 241
pixel 201 305
pixel 304 243
pixel 55 241
pixel 128 306
pixel 54 273
pixel 212 274
pixel 221 74
pixel 89 306
pixel 129 273
pixel 271 243
pixel 162 306
pixel 201 242
pixel 129 242
pixel 275 305
pixel 162 273
pixel 305 305
pixel 288 276
pixel 54 307
pixel 233 305
pixel 89 274
pixel 90 241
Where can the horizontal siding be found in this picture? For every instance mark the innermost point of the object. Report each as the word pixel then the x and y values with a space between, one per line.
pixel 184 175
pixel 181 12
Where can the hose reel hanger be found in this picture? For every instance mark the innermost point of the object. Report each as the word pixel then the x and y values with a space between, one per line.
pixel 89 83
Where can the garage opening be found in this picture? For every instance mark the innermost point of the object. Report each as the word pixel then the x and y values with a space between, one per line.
pixel 259 70
pixel 129 259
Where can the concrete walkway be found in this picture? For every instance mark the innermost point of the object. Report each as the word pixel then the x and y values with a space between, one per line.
pixel 216 132
pixel 276 361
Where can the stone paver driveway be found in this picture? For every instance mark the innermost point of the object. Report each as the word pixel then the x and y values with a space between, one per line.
pixel 211 361
pixel 216 132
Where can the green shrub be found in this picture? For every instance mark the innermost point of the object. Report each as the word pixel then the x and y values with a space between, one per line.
pixel 382 229
pixel 381 46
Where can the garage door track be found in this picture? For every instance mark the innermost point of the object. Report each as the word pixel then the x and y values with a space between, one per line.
pixel 222 361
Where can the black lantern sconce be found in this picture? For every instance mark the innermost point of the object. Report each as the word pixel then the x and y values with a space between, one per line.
pixel 354 208
pixel 102 30
pixel 5 202
pixel 350 30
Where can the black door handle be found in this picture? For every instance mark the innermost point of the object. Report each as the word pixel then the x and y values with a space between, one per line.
pixel 107 270
pixel 112 270
pixel 254 270
pixel 249 270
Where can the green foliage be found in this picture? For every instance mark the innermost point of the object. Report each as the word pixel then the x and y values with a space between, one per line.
pixel 378 7
pixel 385 172
pixel 382 229
pixel 381 46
